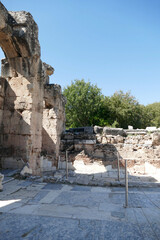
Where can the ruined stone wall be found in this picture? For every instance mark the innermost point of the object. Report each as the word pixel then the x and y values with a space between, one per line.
pixel 31 110
pixel 103 145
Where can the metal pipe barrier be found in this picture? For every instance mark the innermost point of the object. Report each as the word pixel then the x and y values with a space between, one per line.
pixel 66 164
pixel 118 166
pixel 126 185
pixel 67 159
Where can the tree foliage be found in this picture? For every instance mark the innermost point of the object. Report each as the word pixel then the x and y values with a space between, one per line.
pixel 124 110
pixel 153 114
pixel 84 104
pixel 87 106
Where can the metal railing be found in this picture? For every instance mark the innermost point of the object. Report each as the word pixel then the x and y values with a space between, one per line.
pixel 126 185
pixel 67 164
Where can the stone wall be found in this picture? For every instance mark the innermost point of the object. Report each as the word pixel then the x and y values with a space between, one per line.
pixel 103 145
pixel 31 110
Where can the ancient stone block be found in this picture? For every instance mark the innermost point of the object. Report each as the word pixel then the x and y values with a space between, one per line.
pixel 114 131
pixel 98 130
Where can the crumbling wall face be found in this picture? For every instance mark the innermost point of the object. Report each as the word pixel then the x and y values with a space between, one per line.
pixel 53 122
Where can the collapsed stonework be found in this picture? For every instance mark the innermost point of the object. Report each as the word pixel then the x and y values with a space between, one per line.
pixel 105 145
pixel 31 110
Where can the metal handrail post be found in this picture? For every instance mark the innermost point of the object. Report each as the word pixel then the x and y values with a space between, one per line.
pixel 118 166
pixel 66 164
pixel 126 185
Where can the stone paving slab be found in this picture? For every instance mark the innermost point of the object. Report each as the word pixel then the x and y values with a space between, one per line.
pixel 100 189
pixel 51 186
pixel 25 183
pixel 81 188
pixel 38 197
pixel 81 198
pixel 49 197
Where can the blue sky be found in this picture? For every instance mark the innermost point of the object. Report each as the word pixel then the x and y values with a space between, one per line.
pixel 113 43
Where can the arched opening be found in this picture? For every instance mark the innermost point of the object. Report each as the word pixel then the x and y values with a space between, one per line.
pixel 1 57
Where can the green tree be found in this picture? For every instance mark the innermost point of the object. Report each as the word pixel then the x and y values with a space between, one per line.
pixel 85 104
pixel 125 110
pixel 153 114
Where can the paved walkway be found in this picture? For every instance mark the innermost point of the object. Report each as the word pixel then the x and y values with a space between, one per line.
pixel 44 211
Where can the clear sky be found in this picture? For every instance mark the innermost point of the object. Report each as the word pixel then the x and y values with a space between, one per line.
pixel 113 43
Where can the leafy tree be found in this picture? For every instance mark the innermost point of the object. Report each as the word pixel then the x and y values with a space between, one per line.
pixel 85 104
pixel 125 110
pixel 153 114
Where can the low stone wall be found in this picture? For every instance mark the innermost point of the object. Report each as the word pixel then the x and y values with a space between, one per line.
pixel 105 145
